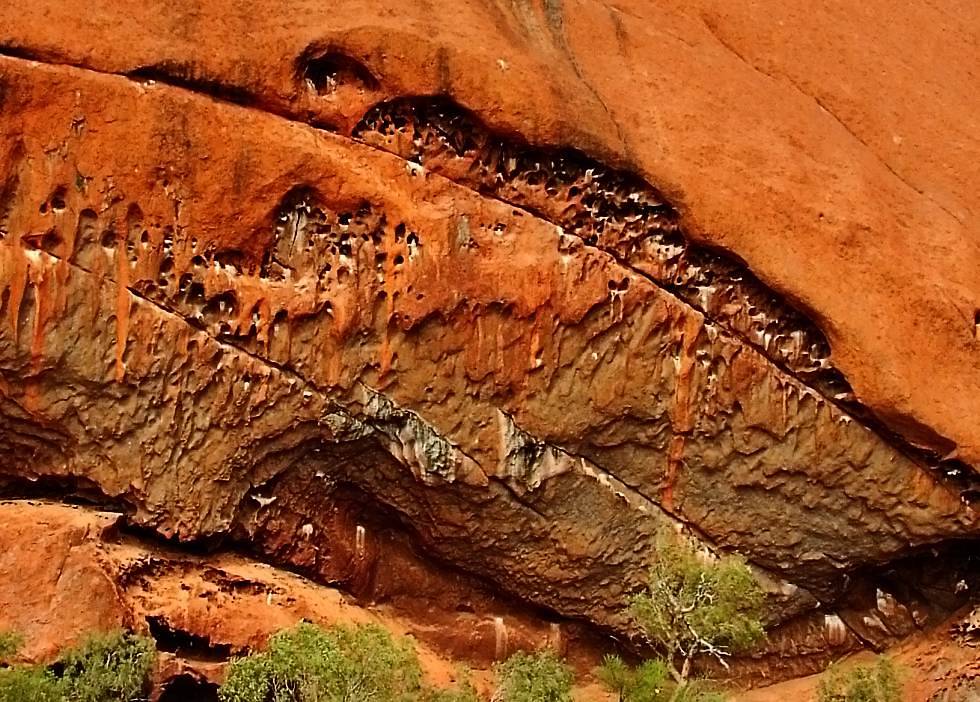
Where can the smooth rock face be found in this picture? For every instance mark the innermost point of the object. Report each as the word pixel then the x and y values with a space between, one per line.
pixel 367 335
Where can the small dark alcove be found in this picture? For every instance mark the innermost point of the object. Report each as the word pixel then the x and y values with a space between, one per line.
pixel 187 688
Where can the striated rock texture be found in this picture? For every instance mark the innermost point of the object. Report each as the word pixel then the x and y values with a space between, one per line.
pixel 460 310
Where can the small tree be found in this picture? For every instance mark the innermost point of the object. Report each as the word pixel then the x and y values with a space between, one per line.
pixel 877 683
pixel 697 607
pixel 533 677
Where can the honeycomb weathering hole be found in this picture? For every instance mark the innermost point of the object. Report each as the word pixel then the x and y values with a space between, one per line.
pixel 612 209
pixel 326 71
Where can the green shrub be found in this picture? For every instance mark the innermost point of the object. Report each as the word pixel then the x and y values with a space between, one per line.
pixel 10 643
pixel 651 681
pixel 465 693
pixel 870 683
pixel 533 677
pixel 698 691
pixel 108 667
pixel 29 684
pixel 648 682
pixel 339 664
pixel 104 668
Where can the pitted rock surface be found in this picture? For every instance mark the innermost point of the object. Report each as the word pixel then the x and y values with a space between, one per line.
pixel 303 305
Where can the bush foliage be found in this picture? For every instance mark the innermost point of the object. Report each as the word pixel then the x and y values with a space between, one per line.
pixel 10 643
pixel 339 664
pixel 533 677
pixel 112 667
pixel 875 683
pixel 108 667
pixel 651 681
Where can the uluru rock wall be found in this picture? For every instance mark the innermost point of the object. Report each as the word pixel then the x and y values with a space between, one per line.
pixel 352 287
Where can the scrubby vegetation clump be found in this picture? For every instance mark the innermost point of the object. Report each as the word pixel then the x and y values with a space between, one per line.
pixel 337 664
pixel 868 683
pixel 113 667
pixel 533 677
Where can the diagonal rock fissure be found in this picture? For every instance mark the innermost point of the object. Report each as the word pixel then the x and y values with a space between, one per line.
pixel 449 141
pixel 631 493
pixel 383 417
pixel 685 276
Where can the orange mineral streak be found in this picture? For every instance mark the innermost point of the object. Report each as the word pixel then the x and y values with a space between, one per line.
pixel 390 289
pixel 38 278
pixel 675 458
pixel 122 311
pixel 682 415
pixel 16 271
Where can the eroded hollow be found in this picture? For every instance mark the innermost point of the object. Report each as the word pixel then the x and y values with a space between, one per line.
pixel 187 688
pixel 186 644
pixel 327 70
pixel 184 74
pixel 317 520
pixel 72 490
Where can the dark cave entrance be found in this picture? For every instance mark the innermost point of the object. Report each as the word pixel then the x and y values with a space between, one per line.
pixel 187 688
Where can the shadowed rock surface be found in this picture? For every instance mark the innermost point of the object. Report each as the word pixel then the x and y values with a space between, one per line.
pixel 356 297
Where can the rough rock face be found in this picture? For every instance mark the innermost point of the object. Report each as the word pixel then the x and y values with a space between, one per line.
pixel 463 325
pixel 201 610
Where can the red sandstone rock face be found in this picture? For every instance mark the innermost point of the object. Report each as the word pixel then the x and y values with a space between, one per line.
pixel 200 610
pixel 802 146
pixel 416 350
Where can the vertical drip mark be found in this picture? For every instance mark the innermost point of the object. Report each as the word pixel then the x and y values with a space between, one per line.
pixel 389 286
pixel 37 337
pixel 18 285
pixel 682 417
pixel 834 629
pixel 500 638
pixel 122 311
pixel 554 638
pixel 38 279
pixel 62 271
pixel 359 541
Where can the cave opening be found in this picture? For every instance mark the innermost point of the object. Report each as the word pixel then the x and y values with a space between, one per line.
pixel 186 644
pixel 187 688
